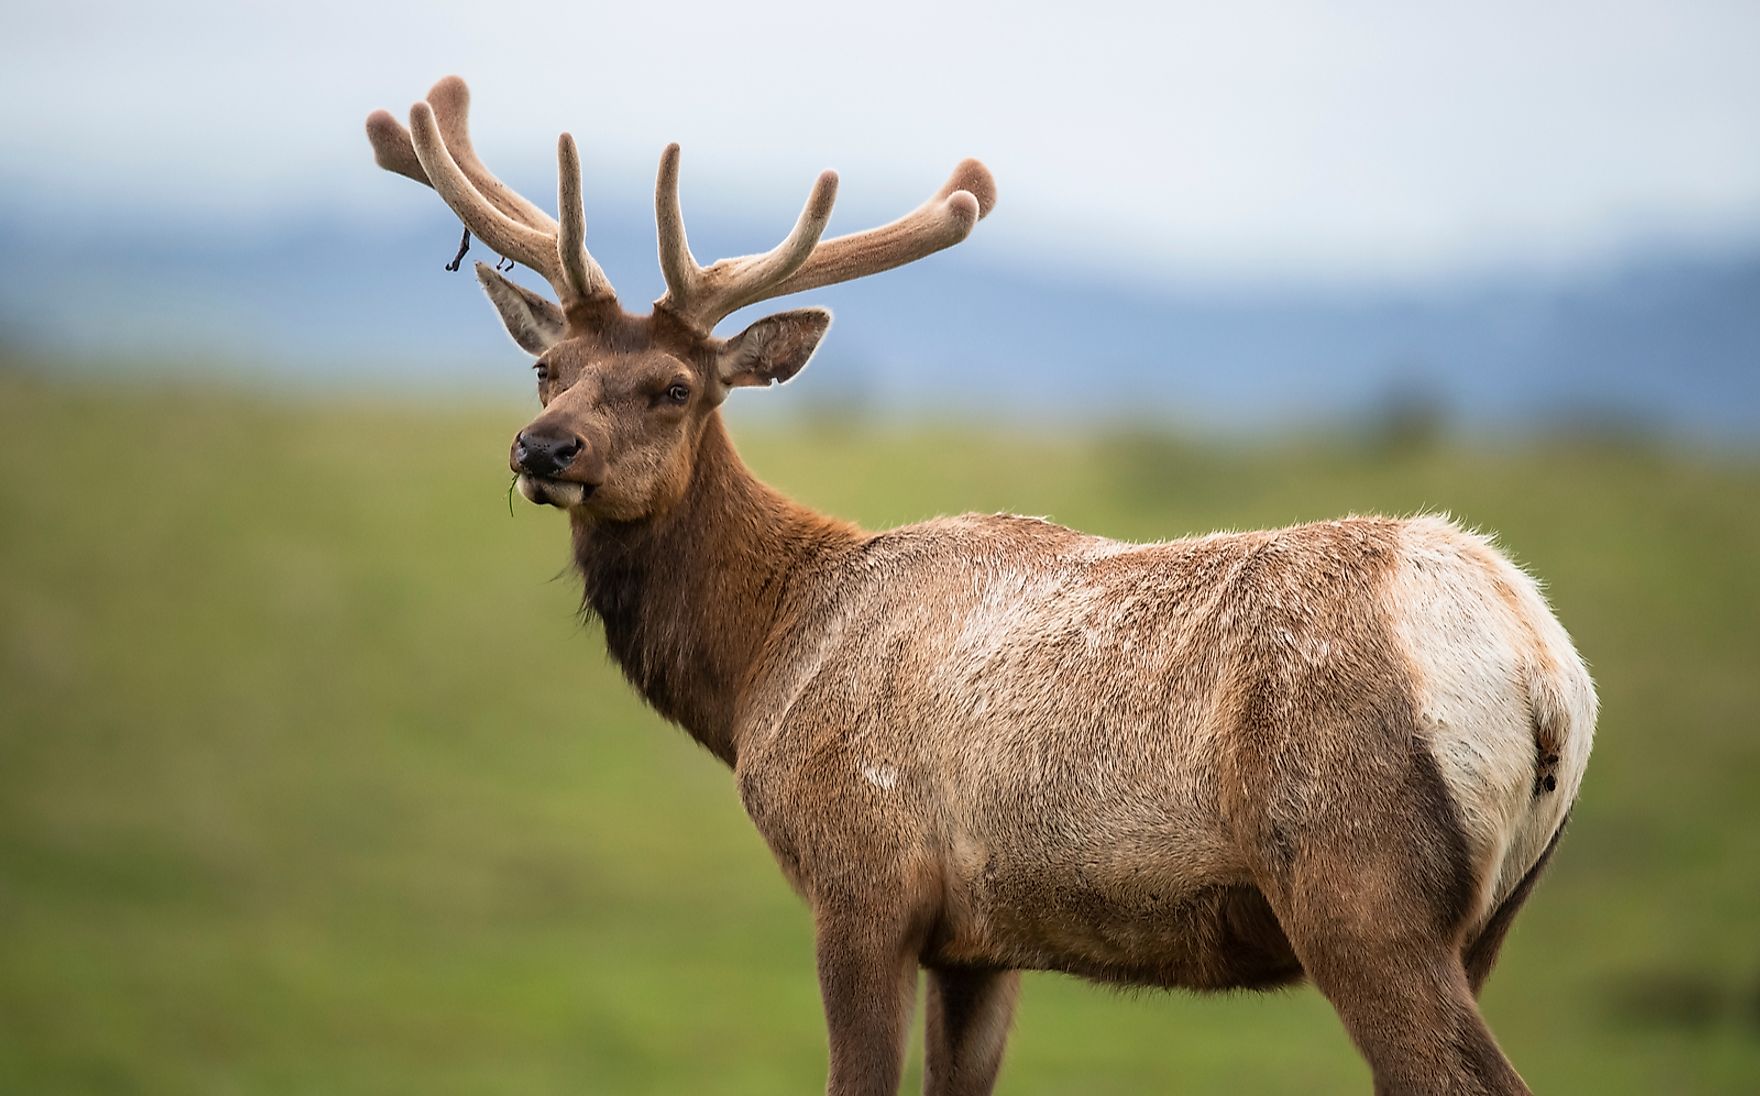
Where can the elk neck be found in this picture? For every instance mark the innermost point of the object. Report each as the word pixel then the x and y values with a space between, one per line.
pixel 690 599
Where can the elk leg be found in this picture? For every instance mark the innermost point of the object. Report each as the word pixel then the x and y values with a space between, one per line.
pixel 868 980
pixel 1374 890
pixel 966 1028
pixel 1411 1012
pixel 1375 946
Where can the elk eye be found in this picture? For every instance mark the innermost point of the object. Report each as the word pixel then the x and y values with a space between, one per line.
pixel 543 371
pixel 678 393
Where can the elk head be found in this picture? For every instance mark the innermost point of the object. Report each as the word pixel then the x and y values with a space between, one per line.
pixel 625 397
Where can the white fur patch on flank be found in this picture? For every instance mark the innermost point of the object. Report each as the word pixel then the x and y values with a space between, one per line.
pixel 1013 604
pixel 884 777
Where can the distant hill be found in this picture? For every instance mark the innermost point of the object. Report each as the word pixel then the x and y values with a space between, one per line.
pixel 1664 343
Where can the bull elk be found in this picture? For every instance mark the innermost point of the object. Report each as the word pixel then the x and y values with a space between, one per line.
pixel 984 744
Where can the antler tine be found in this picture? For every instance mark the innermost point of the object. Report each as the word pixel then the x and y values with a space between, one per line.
pixel 677 265
pixel 514 239
pixel 436 151
pixel 392 149
pixel 751 278
pixel 584 275
pixel 451 99
pixel 945 219
pixel 700 296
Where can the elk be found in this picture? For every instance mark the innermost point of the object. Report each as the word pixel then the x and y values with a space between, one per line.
pixel 984 744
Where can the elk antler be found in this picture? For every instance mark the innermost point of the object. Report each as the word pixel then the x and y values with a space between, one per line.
pixel 701 296
pixel 436 151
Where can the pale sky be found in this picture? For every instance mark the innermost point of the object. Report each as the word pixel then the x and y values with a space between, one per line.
pixel 1376 141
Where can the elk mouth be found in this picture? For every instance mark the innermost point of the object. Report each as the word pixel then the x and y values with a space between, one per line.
pixel 560 493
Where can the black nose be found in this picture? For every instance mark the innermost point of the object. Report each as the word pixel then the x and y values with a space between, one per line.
pixel 545 454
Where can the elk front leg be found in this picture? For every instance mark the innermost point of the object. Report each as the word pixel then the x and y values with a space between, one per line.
pixel 868 979
pixel 966 1029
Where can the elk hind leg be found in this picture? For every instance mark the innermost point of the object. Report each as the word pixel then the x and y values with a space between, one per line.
pixel 1382 940
pixel 1410 1010
pixel 1374 892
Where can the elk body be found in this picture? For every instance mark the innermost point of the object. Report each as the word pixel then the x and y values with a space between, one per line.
pixel 985 744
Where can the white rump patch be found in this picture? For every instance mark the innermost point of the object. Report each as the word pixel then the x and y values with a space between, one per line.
pixel 1475 653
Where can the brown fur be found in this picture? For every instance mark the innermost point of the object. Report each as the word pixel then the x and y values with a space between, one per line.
pixel 985 744
pixel 713 608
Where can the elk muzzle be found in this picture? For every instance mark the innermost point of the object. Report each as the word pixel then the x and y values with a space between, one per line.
pixel 545 454
pixel 554 467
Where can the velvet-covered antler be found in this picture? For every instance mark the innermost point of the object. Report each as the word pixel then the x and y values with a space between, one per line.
pixel 702 296
pixel 436 151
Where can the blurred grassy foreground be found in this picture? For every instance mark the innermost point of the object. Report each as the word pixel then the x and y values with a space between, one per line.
pixel 311 781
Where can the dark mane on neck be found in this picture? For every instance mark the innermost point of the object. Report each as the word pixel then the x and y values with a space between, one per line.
pixel 688 599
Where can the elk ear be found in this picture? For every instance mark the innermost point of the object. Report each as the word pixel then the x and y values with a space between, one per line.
pixel 773 349
pixel 535 323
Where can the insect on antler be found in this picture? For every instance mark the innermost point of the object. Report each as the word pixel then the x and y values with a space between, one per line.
pixel 702 296
pixel 436 151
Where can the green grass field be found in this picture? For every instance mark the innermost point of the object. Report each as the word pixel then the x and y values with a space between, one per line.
pixel 311 780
